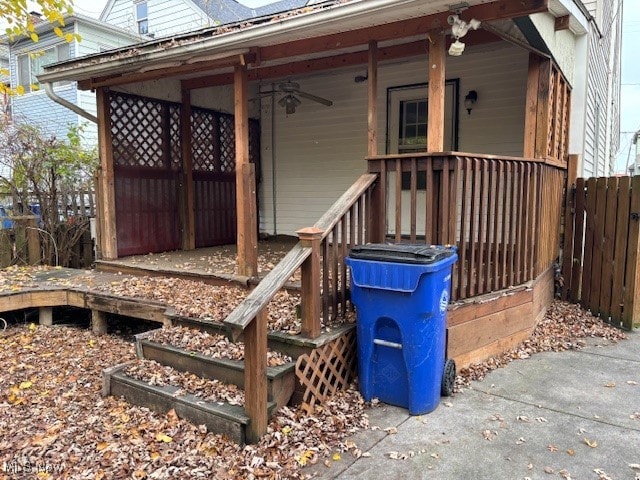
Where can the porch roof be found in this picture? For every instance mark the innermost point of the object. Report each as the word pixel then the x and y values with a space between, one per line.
pixel 212 49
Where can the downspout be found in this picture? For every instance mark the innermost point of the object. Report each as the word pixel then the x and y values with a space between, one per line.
pixel 48 88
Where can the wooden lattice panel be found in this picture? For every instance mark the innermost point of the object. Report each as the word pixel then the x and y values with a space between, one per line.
pixel 175 137
pixel 227 143
pixel 205 140
pixel 326 370
pixel 136 129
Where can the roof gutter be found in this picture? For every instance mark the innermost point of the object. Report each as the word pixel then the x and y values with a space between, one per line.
pixel 48 88
pixel 235 39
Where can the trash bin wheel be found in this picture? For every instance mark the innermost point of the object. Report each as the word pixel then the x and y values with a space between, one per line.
pixel 448 378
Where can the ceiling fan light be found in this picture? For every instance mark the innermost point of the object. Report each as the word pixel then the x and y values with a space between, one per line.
pixel 290 108
pixel 282 102
pixel 295 101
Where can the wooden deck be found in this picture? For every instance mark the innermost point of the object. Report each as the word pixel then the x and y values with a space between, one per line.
pixel 211 265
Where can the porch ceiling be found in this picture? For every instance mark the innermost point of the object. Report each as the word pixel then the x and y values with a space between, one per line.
pixel 339 28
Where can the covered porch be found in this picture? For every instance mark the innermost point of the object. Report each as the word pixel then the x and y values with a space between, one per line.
pixel 212 138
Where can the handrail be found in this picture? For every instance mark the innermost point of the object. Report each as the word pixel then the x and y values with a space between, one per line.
pixel 241 316
pixel 258 298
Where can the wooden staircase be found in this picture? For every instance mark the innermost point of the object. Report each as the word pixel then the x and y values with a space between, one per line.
pixel 219 417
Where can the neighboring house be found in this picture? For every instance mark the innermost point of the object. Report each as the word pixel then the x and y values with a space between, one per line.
pixel 159 18
pixel 4 80
pixel 368 121
pixel 634 168
pixel 27 60
pixel 596 133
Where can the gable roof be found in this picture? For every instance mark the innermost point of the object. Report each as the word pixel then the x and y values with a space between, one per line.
pixel 230 11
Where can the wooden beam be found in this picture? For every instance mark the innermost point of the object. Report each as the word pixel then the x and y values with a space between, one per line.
pixel 404 50
pixel 108 235
pixel 401 29
pixel 372 92
pixel 437 71
pixel 562 23
pixel 156 74
pixel 187 190
pixel 247 240
pixel 531 106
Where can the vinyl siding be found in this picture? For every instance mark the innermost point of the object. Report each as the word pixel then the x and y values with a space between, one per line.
pixel 166 17
pixel 320 151
pixel 602 118
pixel 38 109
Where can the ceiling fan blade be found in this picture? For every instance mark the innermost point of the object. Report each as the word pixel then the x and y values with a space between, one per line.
pixel 315 98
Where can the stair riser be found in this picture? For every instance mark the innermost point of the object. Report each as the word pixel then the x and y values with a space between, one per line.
pixel 280 380
pixel 228 420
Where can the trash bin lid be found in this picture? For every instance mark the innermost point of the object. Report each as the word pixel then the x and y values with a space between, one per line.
pixel 402 253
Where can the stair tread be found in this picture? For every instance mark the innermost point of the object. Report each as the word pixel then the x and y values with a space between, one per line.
pixel 208 344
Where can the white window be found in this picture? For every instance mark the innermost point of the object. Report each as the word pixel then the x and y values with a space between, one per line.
pixel 407 118
pixel 142 18
pixel 30 65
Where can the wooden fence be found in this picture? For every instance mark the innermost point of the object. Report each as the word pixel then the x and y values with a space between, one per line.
pixel 601 266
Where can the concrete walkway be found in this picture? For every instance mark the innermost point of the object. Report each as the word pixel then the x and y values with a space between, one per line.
pixel 573 414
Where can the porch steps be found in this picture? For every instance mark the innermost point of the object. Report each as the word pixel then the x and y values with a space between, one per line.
pixel 280 379
pixel 219 417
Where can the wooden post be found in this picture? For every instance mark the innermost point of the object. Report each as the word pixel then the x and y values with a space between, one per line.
pixel 437 59
pixel 377 208
pixel 544 109
pixel 245 181
pixel 255 376
pixel 33 241
pixel 311 237
pixel 45 316
pixel 187 190
pixel 108 234
pixel 98 322
pixel 531 106
pixel 372 89
pixel 631 309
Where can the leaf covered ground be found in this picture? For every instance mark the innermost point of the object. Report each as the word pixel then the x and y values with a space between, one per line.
pixel 54 417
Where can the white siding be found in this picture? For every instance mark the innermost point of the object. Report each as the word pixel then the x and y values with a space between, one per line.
pixel 602 119
pixel 320 151
pixel 166 17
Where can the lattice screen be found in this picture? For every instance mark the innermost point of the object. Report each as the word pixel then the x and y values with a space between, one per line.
pixel 326 370
pixel 136 129
pixel 140 138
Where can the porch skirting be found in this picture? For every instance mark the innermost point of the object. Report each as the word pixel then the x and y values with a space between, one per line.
pixel 485 326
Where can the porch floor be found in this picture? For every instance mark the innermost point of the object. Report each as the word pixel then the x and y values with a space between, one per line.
pixel 215 265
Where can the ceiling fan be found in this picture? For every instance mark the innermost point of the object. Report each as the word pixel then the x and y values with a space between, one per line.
pixel 290 100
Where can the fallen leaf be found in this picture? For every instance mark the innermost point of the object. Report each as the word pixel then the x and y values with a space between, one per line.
pixel 634 466
pixel 101 446
pixel 391 430
pixel 154 456
pixel 161 437
pixel 591 443
pixel 610 385
pixel 548 470
pixel 552 448
pixel 571 451
pixel 25 385
pixel 336 456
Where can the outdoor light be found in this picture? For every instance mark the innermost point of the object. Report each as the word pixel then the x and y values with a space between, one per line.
pixel 470 100
pixel 290 103
pixel 456 48
pixel 459 29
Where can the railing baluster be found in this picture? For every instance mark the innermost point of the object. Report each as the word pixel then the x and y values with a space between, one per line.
pixel 398 204
pixel 414 199
pixel 429 203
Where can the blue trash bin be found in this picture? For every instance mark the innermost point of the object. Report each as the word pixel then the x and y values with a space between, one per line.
pixel 401 293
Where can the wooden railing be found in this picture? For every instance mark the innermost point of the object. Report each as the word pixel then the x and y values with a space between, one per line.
pixel 320 253
pixel 503 213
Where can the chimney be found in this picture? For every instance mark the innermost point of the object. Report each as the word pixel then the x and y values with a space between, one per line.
pixel 36 17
